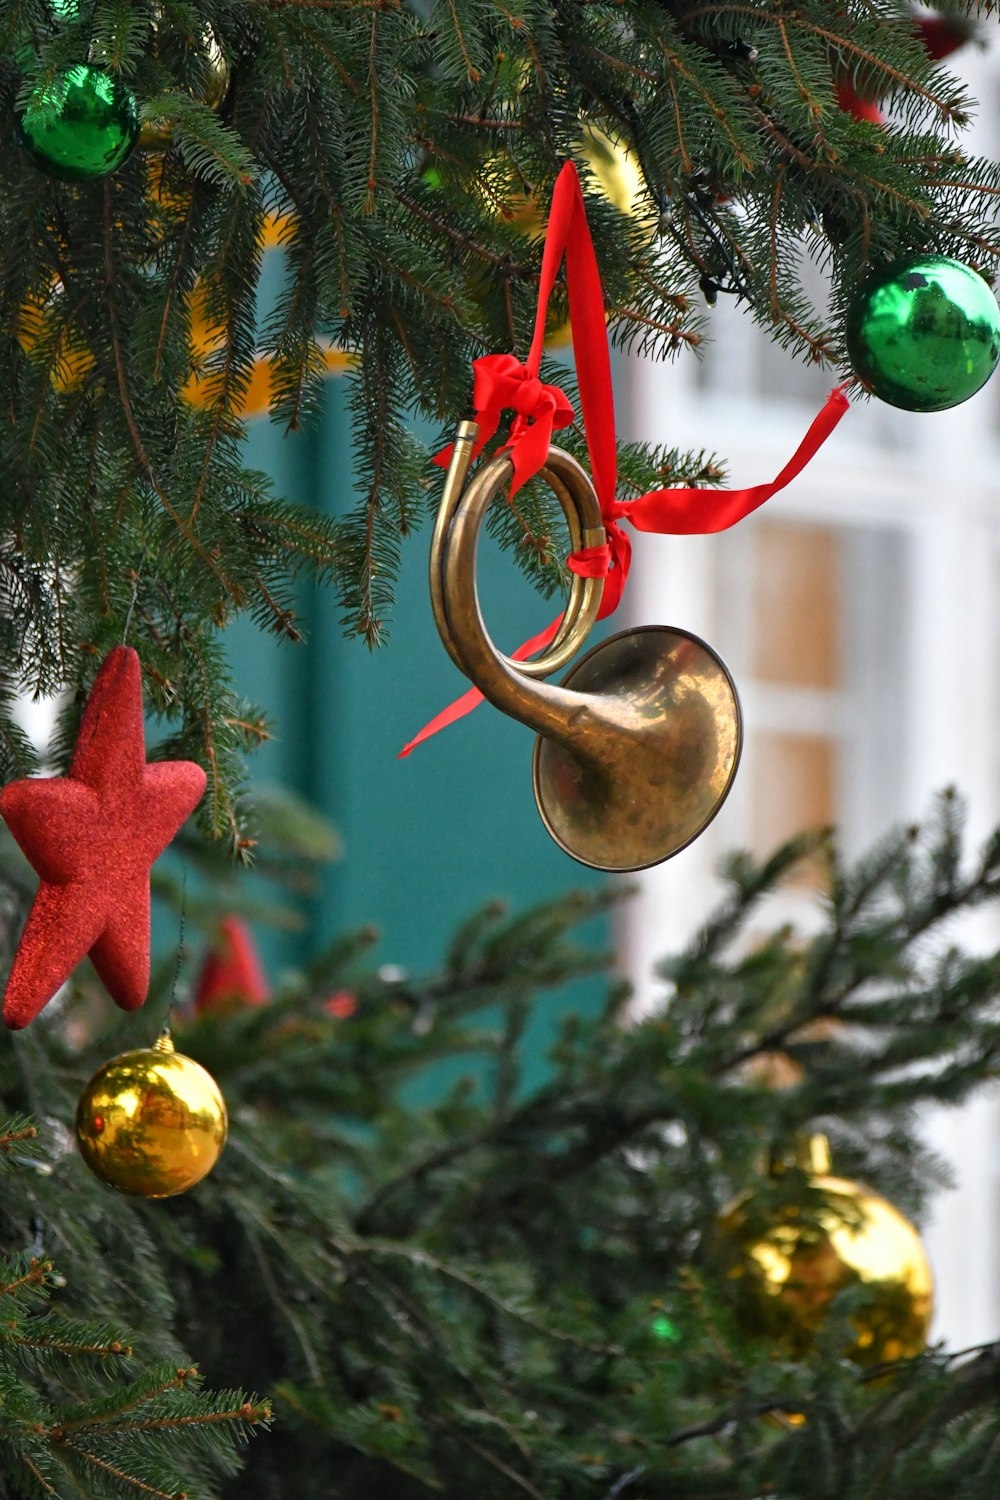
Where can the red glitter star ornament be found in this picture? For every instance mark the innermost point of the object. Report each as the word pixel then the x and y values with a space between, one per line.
pixel 92 837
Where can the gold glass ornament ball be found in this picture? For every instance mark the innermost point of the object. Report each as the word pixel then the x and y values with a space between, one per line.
pixel 616 172
pixel 151 1122
pixel 785 1278
pixel 207 75
pixel 612 169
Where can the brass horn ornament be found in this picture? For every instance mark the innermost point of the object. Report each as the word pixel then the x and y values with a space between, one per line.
pixel 638 748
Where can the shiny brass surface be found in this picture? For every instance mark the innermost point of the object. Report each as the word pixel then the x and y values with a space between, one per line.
pixel 151 1122
pixel 785 1275
pixel 582 509
pixel 651 756
pixel 639 747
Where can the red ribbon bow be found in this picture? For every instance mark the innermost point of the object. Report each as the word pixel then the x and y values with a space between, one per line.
pixel 503 383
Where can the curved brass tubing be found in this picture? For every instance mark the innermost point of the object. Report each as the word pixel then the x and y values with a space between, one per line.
pixel 633 760
pixel 573 489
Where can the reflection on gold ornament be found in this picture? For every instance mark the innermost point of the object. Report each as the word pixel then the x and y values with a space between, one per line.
pixel 277 228
pixel 616 172
pixel 785 1277
pixel 209 87
pixel 612 169
pixel 151 1122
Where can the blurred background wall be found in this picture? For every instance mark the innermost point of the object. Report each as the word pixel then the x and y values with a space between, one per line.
pixel 860 615
pixel 425 840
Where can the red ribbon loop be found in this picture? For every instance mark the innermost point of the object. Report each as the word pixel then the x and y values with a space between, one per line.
pixel 502 383
pixel 591 562
pixel 610 562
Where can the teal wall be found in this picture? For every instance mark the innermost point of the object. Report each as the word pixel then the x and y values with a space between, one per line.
pixel 429 838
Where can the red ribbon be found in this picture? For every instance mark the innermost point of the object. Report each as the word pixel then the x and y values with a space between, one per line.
pixel 941 35
pixel 502 383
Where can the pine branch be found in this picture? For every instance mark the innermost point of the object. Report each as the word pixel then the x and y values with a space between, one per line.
pixel 449 1272
pixel 35 1276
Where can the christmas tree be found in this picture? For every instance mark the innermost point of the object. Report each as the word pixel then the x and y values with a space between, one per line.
pixel 627 1279
pixel 568 1288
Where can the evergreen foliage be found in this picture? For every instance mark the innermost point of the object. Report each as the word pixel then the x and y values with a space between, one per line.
pixel 522 1289
pixel 80 1412
pixel 408 149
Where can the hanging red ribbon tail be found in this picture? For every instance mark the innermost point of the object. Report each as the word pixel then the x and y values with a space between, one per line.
pixel 474 697
pixel 502 383
pixel 687 512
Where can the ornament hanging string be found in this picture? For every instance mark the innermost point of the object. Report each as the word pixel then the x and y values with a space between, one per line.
pixel 501 383
pixel 179 963
pixel 136 576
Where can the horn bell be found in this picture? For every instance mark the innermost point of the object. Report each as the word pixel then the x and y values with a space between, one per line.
pixel 644 793
pixel 639 746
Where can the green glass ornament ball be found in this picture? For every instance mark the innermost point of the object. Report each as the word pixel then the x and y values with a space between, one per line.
pixel 924 333
pixel 81 124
